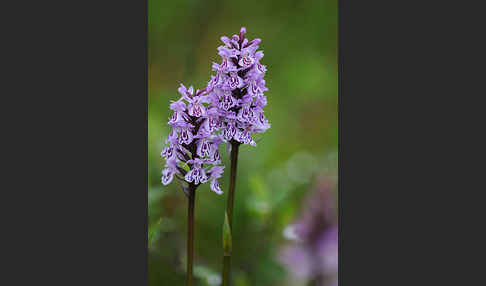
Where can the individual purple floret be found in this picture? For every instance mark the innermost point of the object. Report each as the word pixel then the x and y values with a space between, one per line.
pixel 192 152
pixel 236 91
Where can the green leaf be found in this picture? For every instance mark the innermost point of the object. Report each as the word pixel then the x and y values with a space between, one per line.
pixel 226 236
pixel 155 229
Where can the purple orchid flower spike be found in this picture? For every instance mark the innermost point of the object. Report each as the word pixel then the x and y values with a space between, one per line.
pixel 193 142
pixel 236 100
pixel 237 89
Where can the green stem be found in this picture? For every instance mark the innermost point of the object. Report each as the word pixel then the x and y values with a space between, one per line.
pixel 226 270
pixel 190 232
pixel 229 209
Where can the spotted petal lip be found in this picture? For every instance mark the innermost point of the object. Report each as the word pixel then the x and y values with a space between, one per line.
pixel 246 60
pixel 215 187
pixel 196 109
pixel 203 148
pixel 168 175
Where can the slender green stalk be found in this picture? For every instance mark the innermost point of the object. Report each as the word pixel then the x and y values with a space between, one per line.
pixel 190 232
pixel 226 270
pixel 229 209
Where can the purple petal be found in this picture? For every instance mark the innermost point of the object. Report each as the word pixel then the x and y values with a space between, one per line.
pixel 167 176
pixel 215 187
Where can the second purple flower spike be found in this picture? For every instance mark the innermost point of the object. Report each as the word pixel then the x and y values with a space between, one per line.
pixel 237 89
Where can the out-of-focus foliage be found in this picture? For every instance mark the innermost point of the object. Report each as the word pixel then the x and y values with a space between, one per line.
pixel 299 39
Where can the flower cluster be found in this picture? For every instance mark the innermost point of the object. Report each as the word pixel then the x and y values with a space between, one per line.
pixel 192 145
pixel 313 256
pixel 236 91
pixel 230 109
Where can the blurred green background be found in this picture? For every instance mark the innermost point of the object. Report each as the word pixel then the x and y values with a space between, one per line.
pixel 299 39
